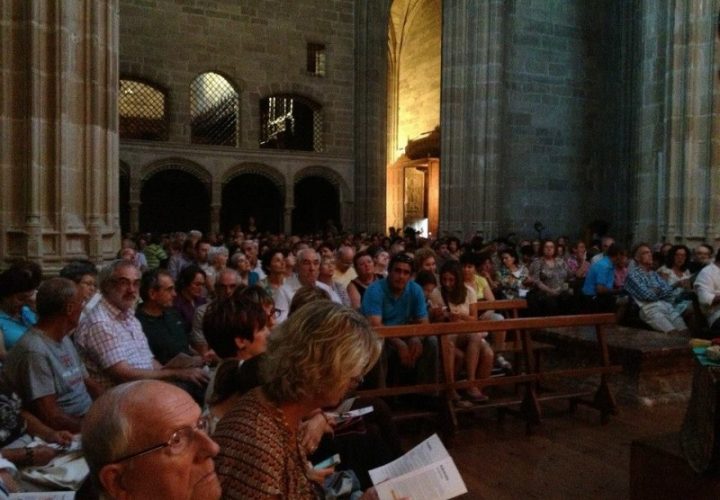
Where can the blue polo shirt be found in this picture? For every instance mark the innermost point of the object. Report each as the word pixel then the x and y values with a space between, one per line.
pixel 378 300
pixel 600 273
pixel 12 329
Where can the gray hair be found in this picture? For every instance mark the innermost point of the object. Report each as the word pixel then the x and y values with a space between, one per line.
pixel 301 253
pixel 236 257
pixel 217 251
pixel 230 271
pixel 106 429
pixel 53 296
pixel 107 273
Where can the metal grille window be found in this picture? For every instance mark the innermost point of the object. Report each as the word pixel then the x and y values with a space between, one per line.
pixel 214 111
pixel 290 122
pixel 316 59
pixel 141 107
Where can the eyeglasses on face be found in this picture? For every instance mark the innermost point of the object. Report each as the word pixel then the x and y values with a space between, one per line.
pixel 178 442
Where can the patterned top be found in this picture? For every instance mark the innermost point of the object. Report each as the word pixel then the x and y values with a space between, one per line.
pixel 108 336
pixel 512 281
pixel 259 455
pixel 647 286
pixel 551 276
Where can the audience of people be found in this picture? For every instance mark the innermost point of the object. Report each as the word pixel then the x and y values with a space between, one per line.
pixel 64 343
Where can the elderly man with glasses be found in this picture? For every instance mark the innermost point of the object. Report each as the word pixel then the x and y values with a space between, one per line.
pixel 111 340
pixel 147 439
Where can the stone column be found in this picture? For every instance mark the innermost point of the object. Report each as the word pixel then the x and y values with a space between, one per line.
pixel 472 61
pixel 58 117
pixel 674 183
pixel 371 28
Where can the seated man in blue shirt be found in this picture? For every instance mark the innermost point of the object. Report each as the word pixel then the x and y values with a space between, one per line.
pixel 598 292
pixel 397 300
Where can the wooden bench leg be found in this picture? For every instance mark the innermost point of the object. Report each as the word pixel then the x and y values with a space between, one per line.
pixel 449 418
pixel 604 400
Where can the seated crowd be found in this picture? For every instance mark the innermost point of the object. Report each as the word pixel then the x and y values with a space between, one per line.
pixel 217 362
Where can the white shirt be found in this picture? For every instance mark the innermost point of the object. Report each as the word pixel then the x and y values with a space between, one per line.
pixel 287 292
pixel 707 284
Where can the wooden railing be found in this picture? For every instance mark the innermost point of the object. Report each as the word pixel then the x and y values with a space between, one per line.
pixel 531 375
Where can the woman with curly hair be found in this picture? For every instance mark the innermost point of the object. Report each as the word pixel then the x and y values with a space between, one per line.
pixel 314 358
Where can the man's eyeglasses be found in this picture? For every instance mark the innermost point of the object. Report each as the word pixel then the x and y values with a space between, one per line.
pixel 178 442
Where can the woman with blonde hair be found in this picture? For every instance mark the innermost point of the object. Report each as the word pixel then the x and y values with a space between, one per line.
pixel 314 358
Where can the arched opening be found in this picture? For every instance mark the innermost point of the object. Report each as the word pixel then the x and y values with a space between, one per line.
pixel 414 49
pixel 173 200
pixel 290 122
pixel 251 195
pixel 316 201
pixel 124 197
pixel 214 111
pixel 142 111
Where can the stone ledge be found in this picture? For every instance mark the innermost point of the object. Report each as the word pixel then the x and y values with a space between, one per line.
pixel 656 367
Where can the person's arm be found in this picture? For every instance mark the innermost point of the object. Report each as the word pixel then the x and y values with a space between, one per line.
pixel 637 285
pixel 93 387
pixel 705 290
pixel 123 372
pixel 35 427
pixel 354 295
pixel 47 409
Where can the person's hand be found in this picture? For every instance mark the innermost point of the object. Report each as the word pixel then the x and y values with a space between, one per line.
pixel 211 358
pixel 403 350
pixel 318 475
pixel 685 283
pixel 416 348
pixel 43 454
pixel 436 314
pixel 197 376
pixel 311 432
pixel 63 438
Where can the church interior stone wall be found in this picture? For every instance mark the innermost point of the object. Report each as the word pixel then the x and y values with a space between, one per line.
pixel 553 123
pixel 563 112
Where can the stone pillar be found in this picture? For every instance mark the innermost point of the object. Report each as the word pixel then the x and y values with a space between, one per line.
pixel 673 200
pixel 135 199
pixel 58 117
pixel 289 207
pixel 371 27
pixel 215 206
pixel 472 61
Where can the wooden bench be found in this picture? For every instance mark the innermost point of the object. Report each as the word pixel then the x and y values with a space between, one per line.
pixel 511 309
pixel 529 402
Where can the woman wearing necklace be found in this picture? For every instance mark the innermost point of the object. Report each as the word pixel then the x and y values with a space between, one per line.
pixel 313 359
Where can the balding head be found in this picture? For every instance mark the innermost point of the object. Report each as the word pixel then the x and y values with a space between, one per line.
pixel 126 439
